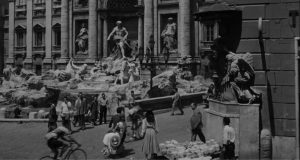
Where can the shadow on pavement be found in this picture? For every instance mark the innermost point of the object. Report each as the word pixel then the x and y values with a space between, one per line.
pixel 125 153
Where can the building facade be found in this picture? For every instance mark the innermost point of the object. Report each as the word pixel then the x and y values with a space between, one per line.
pixel 45 34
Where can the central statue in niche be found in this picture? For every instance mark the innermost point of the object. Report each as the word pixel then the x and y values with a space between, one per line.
pixel 82 39
pixel 119 34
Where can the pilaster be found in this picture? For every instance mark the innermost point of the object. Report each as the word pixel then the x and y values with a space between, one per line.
pixel 29 31
pixel 48 36
pixel 184 27
pixel 92 48
pixel 11 32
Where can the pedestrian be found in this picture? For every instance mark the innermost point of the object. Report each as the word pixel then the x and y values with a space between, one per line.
pixel 149 131
pixel 228 140
pixel 78 103
pixel 82 112
pixel 133 115
pixel 119 117
pixel 17 112
pixel 176 103
pixel 65 113
pixel 196 124
pixel 103 103
pixel 52 122
pixel 94 110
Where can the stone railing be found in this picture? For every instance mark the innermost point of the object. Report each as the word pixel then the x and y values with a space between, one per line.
pixel 20 48
pixel 167 1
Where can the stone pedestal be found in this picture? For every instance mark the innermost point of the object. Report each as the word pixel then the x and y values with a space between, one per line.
pixel 244 118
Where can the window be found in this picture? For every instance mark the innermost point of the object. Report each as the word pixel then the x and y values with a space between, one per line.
pixel 20 2
pixel 81 3
pixel 39 35
pixel 20 32
pixel 56 35
pixel 38 70
pixel 39 1
pixel 20 39
pixel 208 32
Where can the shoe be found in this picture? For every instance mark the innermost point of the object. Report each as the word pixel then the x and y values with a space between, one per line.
pixel 172 114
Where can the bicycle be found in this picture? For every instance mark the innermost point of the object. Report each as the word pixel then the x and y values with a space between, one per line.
pixel 72 153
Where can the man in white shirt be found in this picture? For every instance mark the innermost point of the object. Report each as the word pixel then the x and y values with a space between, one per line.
pixel 65 113
pixel 228 140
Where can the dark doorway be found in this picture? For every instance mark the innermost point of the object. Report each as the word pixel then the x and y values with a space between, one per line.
pixel 38 70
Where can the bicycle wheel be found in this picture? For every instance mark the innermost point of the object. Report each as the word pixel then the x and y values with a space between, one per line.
pixel 77 154
pixel 46 158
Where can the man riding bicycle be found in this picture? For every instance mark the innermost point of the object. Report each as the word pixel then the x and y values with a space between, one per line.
pixel 59 138
pixel 120 35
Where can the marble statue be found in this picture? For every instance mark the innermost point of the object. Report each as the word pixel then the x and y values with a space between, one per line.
pixel 119 34
pixel 169 36
pixel 82 39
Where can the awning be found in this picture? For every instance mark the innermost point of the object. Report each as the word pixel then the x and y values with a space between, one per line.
pixel 217 10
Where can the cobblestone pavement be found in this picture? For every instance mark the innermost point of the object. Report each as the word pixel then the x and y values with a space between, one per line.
pixel 26 141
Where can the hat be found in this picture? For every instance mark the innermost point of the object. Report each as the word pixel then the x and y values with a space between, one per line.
pixel 119 22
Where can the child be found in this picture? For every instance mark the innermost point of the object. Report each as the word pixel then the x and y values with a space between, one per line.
pixel 228 140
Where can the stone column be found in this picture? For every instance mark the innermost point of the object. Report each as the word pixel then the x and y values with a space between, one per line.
pixel 71 37
pixel 140 32
pixel 11 32
pixel 148 22
pixel 64 29
pixel 155 26
pixel 100 39
pixel 93 29
pixel 105 35
pixel 29 32
pixel 184 27
pixel 48 36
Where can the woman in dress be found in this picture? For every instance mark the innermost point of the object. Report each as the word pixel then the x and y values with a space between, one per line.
pixel 149 130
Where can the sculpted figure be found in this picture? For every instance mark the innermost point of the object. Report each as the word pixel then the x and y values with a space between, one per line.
pixel 119 34
pixel 82 39
pixel 169 36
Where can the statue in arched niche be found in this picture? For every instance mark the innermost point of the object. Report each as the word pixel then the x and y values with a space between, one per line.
pixel 82 39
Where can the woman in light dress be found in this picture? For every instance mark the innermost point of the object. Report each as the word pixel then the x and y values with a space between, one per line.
pixel 149 129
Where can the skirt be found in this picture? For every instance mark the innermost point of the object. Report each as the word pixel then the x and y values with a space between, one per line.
pixel 150 145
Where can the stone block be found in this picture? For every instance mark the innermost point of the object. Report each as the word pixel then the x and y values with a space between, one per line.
pixel 285 127
pixel 282 28
pixel 283 62
pixel 279 94
pixel 276 11
pixel 241 2
pixel 280 46
pixel 250 29
pixel 253 12
pixel 248 45
pixel 32 115
pixel 275 78
pixel 247 136
pixel 284 147
pixel 284 111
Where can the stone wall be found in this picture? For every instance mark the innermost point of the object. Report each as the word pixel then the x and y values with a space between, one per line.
pixel 279 46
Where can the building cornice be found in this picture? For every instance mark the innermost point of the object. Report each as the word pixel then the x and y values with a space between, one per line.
pixel 11 0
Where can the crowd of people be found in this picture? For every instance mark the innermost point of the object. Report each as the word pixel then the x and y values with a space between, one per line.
pixel 96 113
